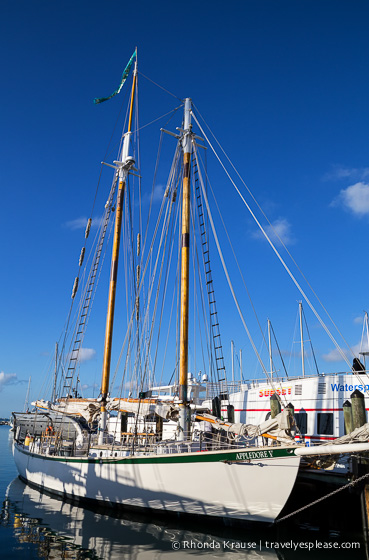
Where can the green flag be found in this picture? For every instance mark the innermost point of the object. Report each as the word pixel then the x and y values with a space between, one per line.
pixel 124 77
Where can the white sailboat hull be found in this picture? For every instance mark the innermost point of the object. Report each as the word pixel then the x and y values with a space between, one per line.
pixel 218 484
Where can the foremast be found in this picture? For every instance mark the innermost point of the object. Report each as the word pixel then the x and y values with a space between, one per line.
pixel 184 409
pixel 124 165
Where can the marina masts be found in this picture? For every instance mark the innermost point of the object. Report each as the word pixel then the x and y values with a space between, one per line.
pixel 184 414
pixel 302 340
pixel 124 165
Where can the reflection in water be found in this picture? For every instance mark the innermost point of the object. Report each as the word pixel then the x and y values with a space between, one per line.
pixel 62 530
pixel 56 529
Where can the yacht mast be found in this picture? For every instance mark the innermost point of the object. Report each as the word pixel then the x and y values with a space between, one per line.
pixel 53 396
pixel 184 411
pixel 124 164
pixel 270 349
pixel 26 402
pixel 365 344
pixel 302 340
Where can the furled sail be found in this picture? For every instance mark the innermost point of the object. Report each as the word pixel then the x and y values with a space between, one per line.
pixel 277 428
pixel 145 407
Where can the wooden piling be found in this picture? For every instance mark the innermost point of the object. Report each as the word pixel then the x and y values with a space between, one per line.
pixel 358 409
pixel 361 464
pixel 347 416
pixel 275 405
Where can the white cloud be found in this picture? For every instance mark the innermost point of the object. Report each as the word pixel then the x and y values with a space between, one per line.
pixel 336 356
pixel 156 195
pixel 354 198
pixel 86 354
pixel 358 320
pixel 81 223
pixel 340 172
pixel 278 231
pixel 86 386
pixel 7 379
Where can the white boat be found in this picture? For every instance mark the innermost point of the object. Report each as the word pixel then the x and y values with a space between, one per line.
pixel 226 475
pixel 318 399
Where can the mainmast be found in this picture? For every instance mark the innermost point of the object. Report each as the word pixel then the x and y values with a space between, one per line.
pixel 184 410
pixel 124 165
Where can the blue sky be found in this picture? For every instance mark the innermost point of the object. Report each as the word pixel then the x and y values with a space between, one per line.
pixel 283 84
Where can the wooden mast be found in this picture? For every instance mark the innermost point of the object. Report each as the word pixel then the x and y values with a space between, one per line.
pixel 184 413
pixel 125 163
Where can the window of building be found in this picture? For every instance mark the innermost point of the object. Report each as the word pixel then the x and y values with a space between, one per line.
pixel 325 423
pixel 301 421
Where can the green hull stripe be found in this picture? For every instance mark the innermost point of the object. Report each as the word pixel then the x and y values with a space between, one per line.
pixel 239 455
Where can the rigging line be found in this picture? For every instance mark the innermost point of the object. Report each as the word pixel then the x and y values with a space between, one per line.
pixel 123 103
pixel 127 339
pixel 93 276
pixel 217 357
pixel 207 326
pixel 285 266
pixel 108 146
pixel 279 351
pixel 171 310
pixel 171 175
pixel 150 330
pixel 66 328
pixel 174 221
pixel 178 317
pixel 235 258
pixel 176 155
pixel 157 295
pixel 165 228
pixel 153 240
pixel 161 117
pixel 225 267
pixel 159 86
pixel 311 344
pixel 226 270
pixel 208 330
pixel 278 237
pixel 279 380
pixel 138 146
pixel 146 317
pixel 152 192
pixel 292 352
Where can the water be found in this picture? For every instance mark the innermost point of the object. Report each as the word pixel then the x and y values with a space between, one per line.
pixel 36 526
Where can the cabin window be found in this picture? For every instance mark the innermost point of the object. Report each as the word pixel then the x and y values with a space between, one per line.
pixel 301 422
pixel 325 423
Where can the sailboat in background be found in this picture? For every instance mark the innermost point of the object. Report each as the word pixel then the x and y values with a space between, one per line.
pixel 168 451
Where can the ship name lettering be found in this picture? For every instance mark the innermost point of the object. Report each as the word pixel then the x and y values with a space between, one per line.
pixel 253 455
